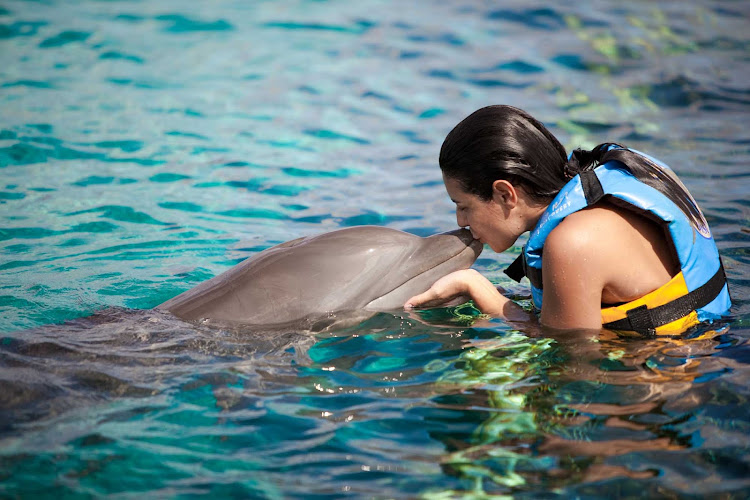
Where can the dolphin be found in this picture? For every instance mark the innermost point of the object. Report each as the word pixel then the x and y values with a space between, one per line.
pixel 316 281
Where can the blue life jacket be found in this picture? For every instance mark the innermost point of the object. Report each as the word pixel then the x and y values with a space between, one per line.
pixel 697 293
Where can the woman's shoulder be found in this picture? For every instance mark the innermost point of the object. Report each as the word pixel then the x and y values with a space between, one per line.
pixel 603 238
pixel 590 229
pixel 577 263
pixel 625 252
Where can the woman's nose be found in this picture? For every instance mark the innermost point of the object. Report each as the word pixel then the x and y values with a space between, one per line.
pixel 460 220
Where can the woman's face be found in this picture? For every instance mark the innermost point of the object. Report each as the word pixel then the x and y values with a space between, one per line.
pixel 489 221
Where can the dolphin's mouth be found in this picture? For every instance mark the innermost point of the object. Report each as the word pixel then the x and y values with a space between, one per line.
pixel 420 282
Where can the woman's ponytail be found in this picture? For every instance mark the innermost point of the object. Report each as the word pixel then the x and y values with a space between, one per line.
pixel 646 171
pixel 581 160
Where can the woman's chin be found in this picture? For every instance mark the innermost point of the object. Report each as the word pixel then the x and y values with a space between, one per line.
pixel 499 248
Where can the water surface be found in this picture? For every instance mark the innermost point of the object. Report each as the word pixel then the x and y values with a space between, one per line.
pixel 147 146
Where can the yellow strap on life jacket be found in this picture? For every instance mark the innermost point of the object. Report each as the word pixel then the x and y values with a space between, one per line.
pixel 673 289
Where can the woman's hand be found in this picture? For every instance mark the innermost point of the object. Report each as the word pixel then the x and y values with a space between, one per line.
pixel 445 290
pixel 468 283
pixel 473 285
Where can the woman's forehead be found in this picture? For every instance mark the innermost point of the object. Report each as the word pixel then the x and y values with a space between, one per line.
pixel 455 189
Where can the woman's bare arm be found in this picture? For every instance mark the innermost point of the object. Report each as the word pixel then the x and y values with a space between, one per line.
pixel 572 277
pixel 470 283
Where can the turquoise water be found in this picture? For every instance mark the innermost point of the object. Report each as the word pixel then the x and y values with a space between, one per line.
pixel 147 146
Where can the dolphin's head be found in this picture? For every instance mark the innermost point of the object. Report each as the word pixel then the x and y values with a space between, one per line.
pixel 363 267
pixel 416 264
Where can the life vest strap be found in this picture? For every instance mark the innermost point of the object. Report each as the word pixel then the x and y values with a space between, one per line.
pixel 644 320
pixel 592 187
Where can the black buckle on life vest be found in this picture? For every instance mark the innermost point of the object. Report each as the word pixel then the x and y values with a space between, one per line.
pixel 641 320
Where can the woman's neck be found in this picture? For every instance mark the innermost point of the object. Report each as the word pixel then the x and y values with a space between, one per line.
pixel 532 212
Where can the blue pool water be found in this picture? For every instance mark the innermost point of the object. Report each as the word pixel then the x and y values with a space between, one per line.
pixel 147 146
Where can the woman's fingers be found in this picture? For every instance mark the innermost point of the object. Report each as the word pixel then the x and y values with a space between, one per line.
pixel 443 290
pixel 421 300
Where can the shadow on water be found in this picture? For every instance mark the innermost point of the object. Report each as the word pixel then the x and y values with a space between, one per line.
pixel 398 406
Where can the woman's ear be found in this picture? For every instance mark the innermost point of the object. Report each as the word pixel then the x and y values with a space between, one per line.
pixel 504 193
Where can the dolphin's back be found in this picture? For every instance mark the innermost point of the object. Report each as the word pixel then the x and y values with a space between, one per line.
pixel 293 280
pixel 264 289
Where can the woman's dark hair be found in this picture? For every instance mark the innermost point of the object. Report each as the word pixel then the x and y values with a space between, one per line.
pixel 503 142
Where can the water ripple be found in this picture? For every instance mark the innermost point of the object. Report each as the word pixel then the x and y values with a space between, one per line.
pixel 684 92
pixel 333 135
pixel 120 213
pixel 357 28
pixel 177 23
pixel 543 19
pixel 20 29
pixel 64 38
pixel 25 152
pixel 115 55
pixel 36 84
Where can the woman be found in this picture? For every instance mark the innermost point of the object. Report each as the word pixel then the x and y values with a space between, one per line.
pixel 616 240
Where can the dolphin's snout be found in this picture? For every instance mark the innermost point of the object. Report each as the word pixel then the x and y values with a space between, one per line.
pixel 463 234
